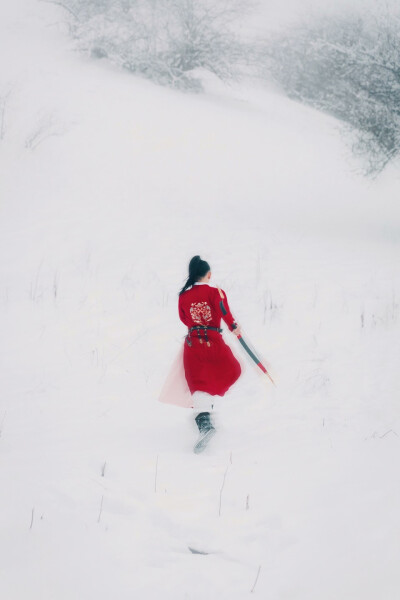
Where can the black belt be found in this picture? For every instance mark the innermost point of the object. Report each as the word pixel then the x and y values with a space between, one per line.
pixel 205 327
pixel 199 328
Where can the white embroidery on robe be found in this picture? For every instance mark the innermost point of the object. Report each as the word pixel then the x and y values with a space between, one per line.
pixel 200 313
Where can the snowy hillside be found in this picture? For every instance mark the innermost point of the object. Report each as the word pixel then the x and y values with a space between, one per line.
pixel 109 185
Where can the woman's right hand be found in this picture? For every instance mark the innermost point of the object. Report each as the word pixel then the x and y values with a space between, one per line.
pixel 237 330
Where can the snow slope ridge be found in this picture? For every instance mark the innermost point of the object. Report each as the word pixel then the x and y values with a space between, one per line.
pixel 108 186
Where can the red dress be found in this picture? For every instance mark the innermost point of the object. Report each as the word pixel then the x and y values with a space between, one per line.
pixel 209 363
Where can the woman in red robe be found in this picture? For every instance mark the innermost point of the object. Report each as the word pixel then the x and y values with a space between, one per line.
pixel 209 364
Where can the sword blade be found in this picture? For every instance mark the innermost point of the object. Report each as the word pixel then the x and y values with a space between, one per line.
pixel 255 358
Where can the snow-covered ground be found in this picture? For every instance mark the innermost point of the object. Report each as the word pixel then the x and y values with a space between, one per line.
pixel 108 186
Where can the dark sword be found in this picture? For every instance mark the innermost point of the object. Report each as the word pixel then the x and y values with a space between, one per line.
pixel 245 346
pixel 254 357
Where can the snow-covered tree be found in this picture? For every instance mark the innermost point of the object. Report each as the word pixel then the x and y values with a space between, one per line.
pixel 348 66
pixel 164 40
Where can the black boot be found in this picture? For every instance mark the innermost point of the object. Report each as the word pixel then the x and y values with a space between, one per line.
pixel 206 430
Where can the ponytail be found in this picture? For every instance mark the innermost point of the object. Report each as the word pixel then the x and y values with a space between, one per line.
pixel 197 269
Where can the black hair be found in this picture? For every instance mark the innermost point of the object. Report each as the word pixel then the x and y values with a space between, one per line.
pixel 197 269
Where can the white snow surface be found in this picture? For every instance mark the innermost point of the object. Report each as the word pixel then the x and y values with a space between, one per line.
pixel 109 184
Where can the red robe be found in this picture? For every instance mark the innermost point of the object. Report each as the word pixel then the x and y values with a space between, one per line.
pixel 209 367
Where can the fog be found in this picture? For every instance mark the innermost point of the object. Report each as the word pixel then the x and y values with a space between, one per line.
pixel 273 14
